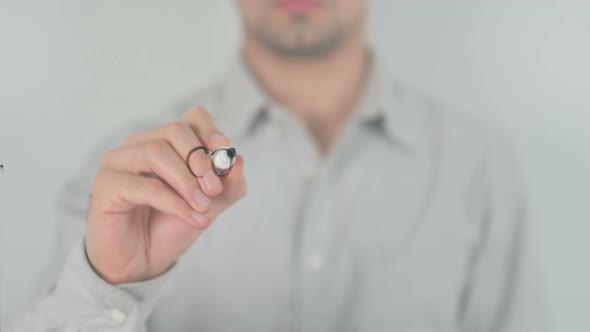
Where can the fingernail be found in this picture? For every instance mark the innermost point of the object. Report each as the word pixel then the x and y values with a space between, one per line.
pixel 211 181
pixel 201 219
pixel 201 199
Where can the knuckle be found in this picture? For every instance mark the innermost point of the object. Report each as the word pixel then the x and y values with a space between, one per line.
pixel 103 181
pixel 106 158
pixel 195 113
pixel 100 177
pixel 150 185
pixel 201 111
pixel 174 127
pixel 130 139
pixel 156 148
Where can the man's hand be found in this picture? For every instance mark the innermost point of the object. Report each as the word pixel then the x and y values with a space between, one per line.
pixel 147 209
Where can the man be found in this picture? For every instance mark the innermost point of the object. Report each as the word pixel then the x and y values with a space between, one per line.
pixel 369 206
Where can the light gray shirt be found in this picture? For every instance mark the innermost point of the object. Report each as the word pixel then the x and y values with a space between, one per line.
pixel 415 221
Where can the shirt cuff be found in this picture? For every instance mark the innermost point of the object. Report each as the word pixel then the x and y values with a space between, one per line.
pixel 129 303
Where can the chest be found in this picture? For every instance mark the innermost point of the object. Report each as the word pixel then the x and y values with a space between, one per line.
pixel 372 241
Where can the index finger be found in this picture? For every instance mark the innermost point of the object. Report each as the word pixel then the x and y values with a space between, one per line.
pixel 201 121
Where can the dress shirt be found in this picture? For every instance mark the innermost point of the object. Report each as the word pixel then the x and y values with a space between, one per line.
pixel 415 220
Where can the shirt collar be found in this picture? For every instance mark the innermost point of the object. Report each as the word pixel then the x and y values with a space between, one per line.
pixel 385 101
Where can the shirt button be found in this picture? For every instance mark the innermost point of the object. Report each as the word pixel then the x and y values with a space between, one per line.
pixel 315 262
pixel 116 315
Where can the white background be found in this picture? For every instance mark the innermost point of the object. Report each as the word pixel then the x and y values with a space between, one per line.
pixel 74 70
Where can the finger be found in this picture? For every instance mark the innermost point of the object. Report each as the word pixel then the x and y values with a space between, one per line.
pixel 127 191
pixel 201 121
pixel 183 139
pixel 158 158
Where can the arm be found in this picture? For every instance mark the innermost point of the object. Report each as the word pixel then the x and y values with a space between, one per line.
pixel 503 293
pixel 81 301
pixel 139 212
pixel 74 297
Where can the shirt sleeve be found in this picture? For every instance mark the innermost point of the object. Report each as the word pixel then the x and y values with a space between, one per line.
pixel 74 297
pixel 503 293
pixel 82 301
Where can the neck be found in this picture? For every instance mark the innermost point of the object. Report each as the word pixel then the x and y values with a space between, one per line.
pixel 321 91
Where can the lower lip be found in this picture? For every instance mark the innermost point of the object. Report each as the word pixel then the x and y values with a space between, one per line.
pixel 298 6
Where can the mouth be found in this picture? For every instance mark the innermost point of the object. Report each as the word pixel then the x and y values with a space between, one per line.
pixel 298 7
